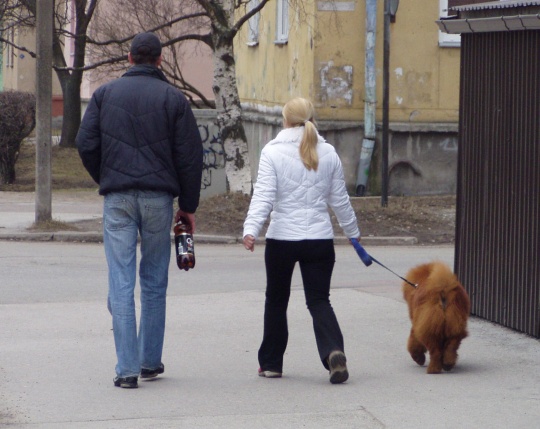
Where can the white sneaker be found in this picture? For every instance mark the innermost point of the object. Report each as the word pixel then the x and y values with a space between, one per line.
pixel 269 374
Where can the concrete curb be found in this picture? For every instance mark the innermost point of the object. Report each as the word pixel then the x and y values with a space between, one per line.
pixel 97 237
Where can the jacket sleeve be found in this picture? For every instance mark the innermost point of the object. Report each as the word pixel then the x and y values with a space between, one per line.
pixel 264 195
pixel 340 202
pixel 88 139
pixel 188 159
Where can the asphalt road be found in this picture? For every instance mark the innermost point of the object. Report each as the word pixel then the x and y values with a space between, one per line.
pixel 34 272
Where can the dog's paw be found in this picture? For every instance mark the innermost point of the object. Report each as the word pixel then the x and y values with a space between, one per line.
pixel 419 358
pixel 448 366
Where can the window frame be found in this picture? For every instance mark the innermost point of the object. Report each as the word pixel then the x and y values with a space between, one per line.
pixel 447 40
pixel 9 59
pixel 282 22
pixel 253 24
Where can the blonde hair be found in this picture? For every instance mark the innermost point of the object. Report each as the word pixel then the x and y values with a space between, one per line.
pixel 299 112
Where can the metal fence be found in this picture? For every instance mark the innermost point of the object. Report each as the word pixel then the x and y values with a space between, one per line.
pixel 498 196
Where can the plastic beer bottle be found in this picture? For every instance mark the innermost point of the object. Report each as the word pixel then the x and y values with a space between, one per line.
pixel 184 246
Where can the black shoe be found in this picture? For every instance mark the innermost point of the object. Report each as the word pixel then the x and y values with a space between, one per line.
pixel 338 367
pixel 126 382
pixel 151 373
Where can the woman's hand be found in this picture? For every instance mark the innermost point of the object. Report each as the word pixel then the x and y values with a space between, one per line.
pixel 249 242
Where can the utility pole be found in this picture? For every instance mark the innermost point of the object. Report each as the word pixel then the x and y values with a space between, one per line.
pixel 390 9
pixel 44 33
pixel 386 97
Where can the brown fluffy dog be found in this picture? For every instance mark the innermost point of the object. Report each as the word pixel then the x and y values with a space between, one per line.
pixel 439 308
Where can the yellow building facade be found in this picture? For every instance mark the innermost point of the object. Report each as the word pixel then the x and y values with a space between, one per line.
pixel 323 58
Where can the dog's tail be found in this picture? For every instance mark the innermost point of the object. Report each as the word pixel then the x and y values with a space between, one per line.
pixel 443 300
pixel 441 292
pixel 453 299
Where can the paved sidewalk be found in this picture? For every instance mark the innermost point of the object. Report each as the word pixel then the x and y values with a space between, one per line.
pixel 57 353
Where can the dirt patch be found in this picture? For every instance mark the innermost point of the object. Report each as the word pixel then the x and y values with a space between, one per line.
pixel 67 170
pixel 431 219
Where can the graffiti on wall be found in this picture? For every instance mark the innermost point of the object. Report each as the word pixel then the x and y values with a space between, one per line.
pixel 213 153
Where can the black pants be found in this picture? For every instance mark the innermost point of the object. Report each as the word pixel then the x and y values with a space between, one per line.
pixel 316 259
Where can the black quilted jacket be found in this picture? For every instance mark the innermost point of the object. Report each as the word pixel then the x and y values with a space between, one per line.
pixel 139 132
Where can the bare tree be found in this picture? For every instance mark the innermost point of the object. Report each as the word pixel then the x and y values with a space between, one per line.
pixel 20 15
pixel 227 17
pixel 175 22
pixel 216 23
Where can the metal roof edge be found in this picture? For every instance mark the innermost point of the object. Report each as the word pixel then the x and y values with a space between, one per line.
pixel 491 24
pixel 496 5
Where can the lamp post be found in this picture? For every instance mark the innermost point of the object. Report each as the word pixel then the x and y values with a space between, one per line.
pixel 390 9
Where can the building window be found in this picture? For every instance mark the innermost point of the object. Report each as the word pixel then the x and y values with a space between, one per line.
pixel 10 51
pixel 282 22
pixel 73 28
pixel 253 24
pixel 447 40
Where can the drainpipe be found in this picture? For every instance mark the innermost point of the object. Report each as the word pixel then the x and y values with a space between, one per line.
pixel 370 100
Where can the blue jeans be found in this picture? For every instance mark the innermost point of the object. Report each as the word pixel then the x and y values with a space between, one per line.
pixel 125 215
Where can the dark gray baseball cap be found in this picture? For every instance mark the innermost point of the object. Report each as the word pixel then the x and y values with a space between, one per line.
pixel 146 44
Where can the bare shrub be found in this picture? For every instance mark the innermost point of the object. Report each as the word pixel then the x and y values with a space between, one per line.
pixel 17 120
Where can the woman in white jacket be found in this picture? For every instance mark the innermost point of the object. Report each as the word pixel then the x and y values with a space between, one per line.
pixel 300 175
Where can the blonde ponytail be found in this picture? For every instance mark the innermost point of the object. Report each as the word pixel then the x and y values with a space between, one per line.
pixel 298 112
pixel 308 147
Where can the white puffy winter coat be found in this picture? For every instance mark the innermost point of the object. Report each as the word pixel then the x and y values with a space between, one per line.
pixel 296 198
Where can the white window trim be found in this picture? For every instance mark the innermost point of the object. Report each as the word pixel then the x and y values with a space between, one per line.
pixel 282 22
pixel 10 51
pixel 447 40
pixel 253 24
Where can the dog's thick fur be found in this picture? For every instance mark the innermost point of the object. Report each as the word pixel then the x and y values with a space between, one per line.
pixel 438 308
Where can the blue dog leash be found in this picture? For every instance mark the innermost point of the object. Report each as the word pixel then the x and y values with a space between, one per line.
pixel 367 259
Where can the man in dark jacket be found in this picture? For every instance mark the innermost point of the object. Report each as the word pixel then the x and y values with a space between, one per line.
pixel 140 142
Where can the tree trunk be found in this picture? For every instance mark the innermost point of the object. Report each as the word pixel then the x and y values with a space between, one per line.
pixel 72 110
pixel 229 116
pixel 71 81
pixel 7 168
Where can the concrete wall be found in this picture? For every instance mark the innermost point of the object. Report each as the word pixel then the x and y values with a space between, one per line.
pixel 422 162
pixel 214 180
pixel 422 158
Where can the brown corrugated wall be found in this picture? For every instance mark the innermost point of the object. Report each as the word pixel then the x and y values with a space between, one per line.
pixel 498 196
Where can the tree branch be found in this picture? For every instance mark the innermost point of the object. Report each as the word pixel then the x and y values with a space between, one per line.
pixel 236 27
pixel 205 38
pixel 20 48
pixel 154 29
